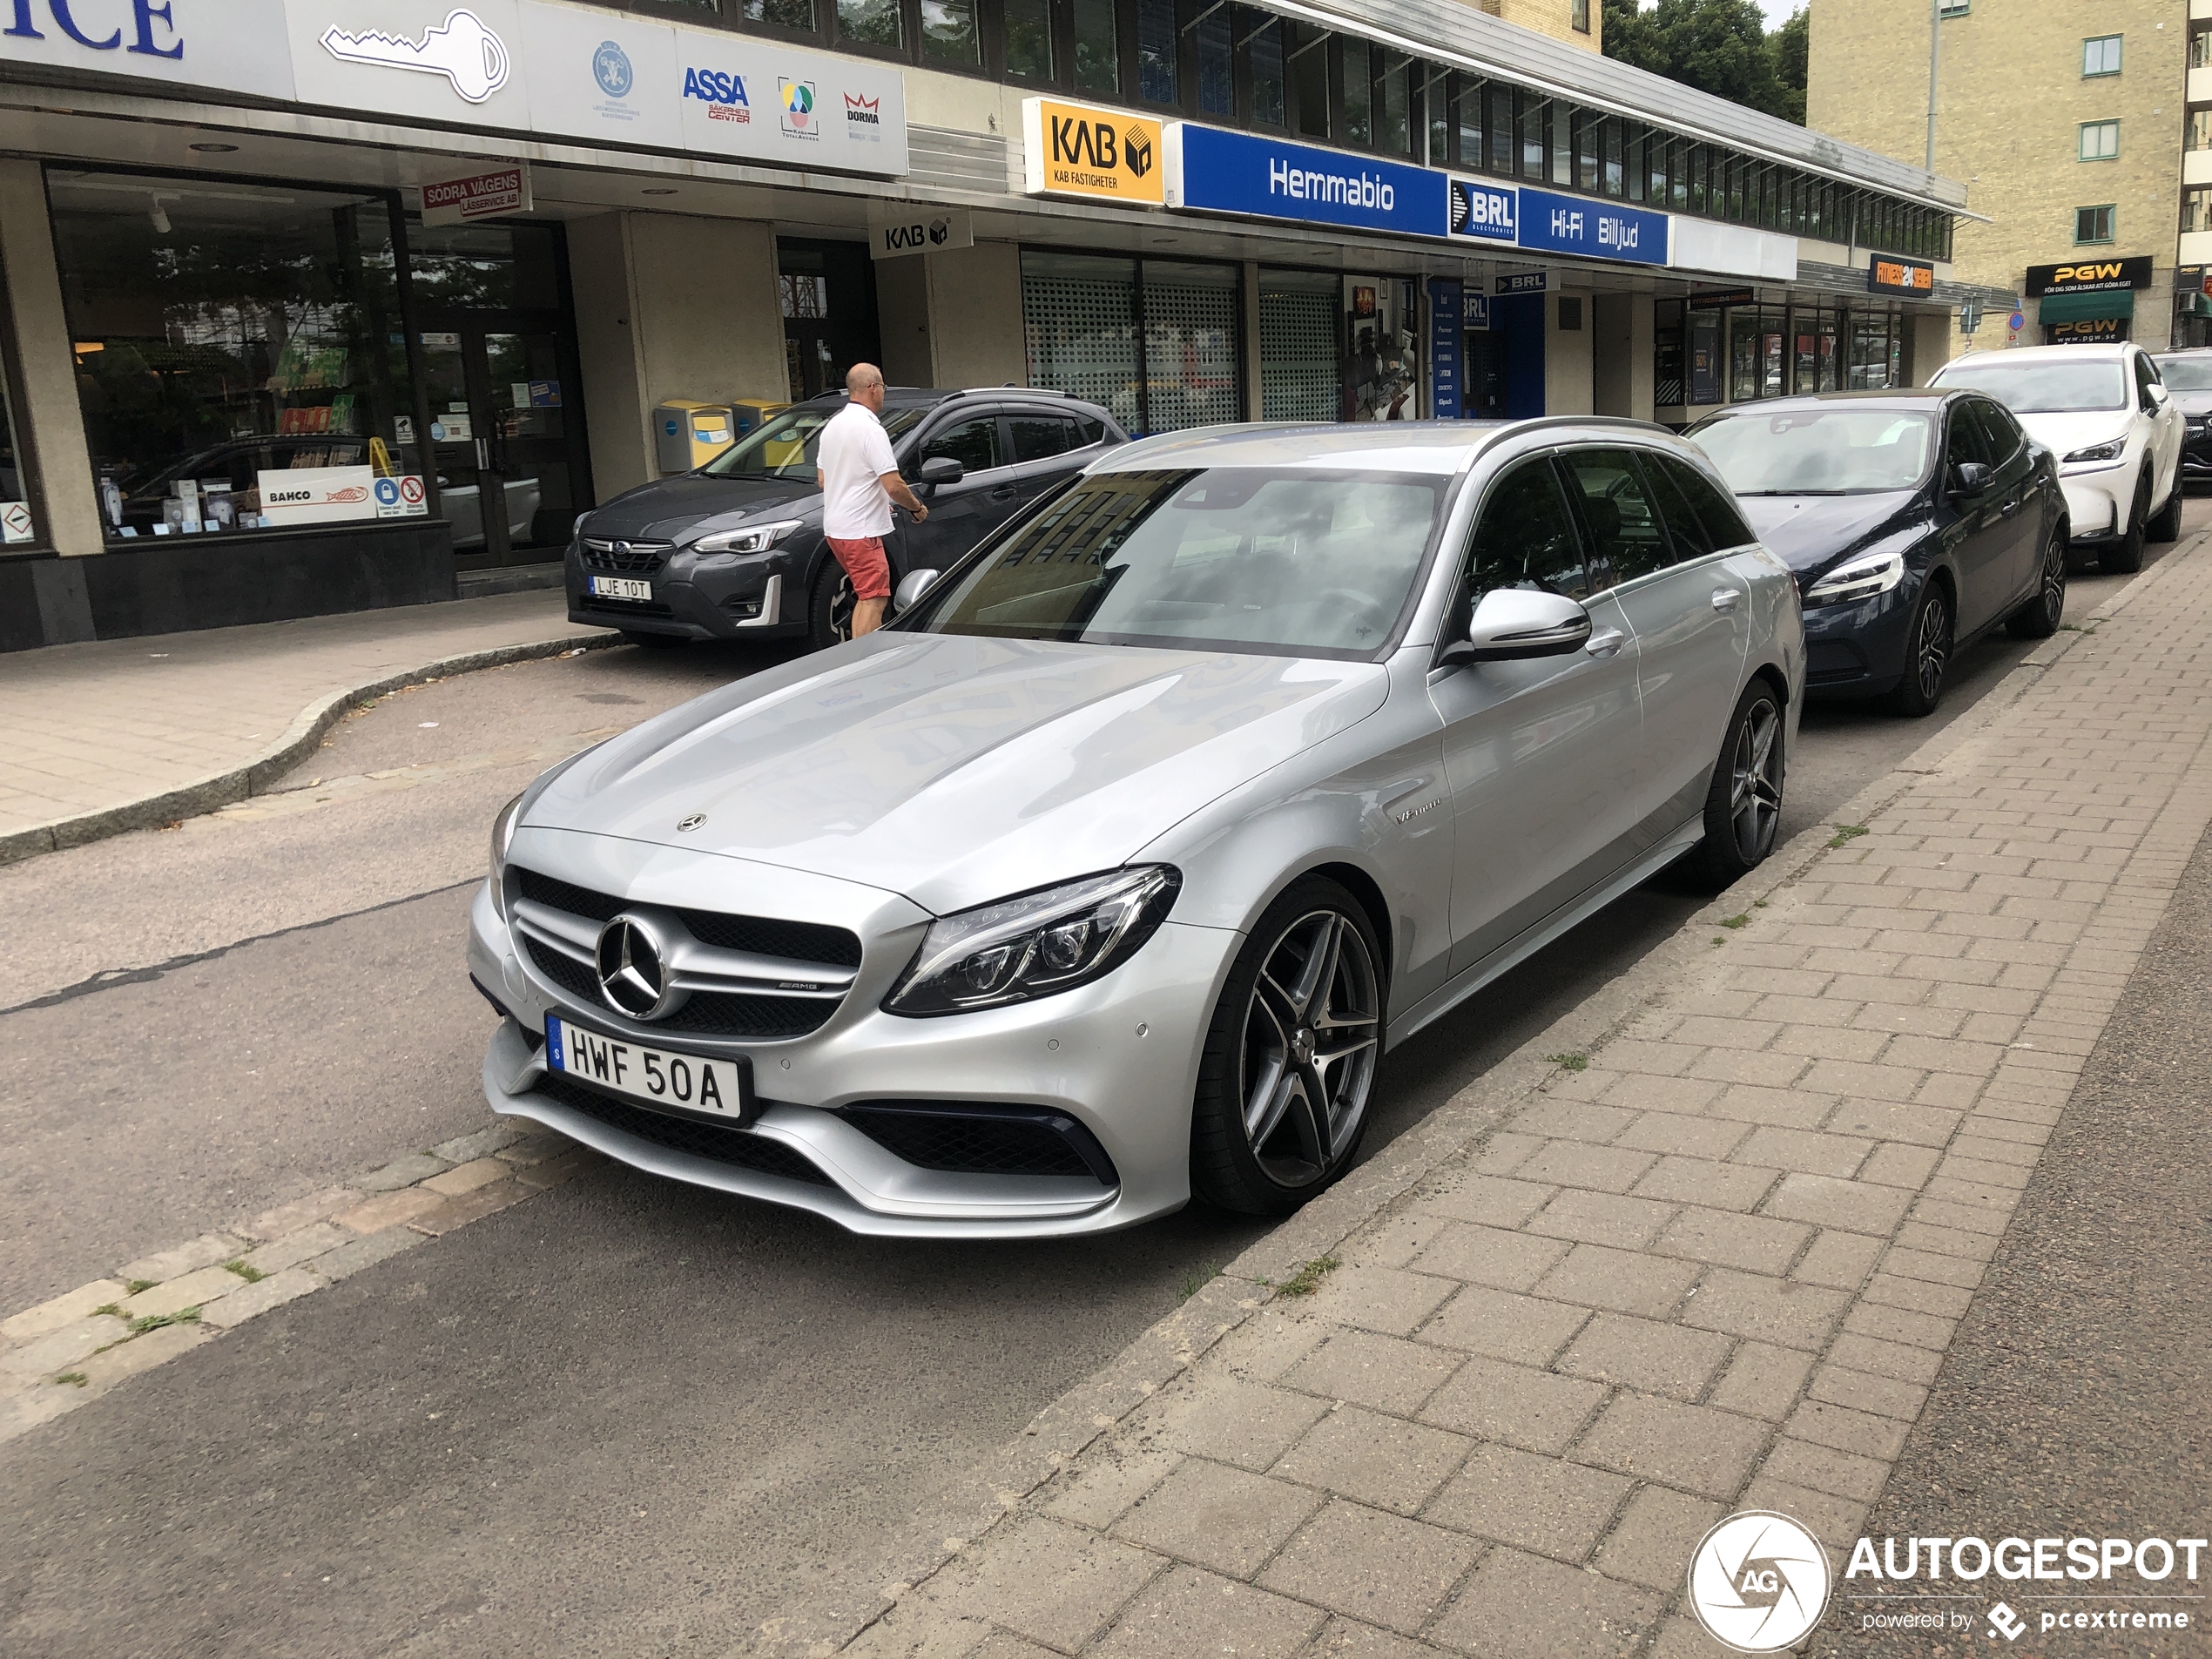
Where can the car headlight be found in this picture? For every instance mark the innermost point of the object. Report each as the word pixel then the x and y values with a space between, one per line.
pixel 2099 452
pixel 1036 944
pixel 503 837
pixel 1858 579
pixel 750 539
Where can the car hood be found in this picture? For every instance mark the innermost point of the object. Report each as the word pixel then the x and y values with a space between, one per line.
pixel 2195 405
pixel 1813 532
pixel 957 770
pixel 664 510
pixel 2066 430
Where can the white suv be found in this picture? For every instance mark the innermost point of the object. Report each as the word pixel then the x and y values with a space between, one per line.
pixel 2116 431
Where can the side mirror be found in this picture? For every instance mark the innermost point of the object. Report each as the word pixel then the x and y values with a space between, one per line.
pixel 912 586
pixel 1511 625
pixel 938 470
pixel 1969 478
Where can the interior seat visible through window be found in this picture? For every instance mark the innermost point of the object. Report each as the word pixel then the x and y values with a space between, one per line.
pixel 973 442
pixel 1525 538
pixel 1627 540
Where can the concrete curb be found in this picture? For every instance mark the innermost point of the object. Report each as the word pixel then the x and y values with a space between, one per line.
pixel 998 1486
pixel 298 742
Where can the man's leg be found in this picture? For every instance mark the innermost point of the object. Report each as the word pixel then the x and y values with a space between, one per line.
pixel 870 568
pixel 868 617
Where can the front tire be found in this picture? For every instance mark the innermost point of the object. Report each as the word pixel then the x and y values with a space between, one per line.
pixel 2125 557
pixel 2167 525
pixel 2039 618
pixel 1744 804
pixel 829 606
pixel 1291 1055
pixel 1927 656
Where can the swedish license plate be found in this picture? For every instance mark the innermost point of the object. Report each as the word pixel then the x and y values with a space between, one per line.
pixel 616 587
pixel 657 1076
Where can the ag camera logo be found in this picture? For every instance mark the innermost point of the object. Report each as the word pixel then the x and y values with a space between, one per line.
pixel 1758 1581
pixel 610 68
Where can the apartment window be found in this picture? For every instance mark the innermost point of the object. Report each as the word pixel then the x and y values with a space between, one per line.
pixel 1155 51
pixel 1029 39
pixel 1952 8
pixel 869 23
pixel 1216 43
pixel 1098 55
pixel 2099 140
pixel 1394 110
pixel 1310 71
pixel 795 15
pixel 2201 50
pixel 1263 53
pixel 1578 16
pixel 949 35
pixel 2093 223
pixel 1359 95
pixel 2196 209
pixel 2101 55
pixel 2199 130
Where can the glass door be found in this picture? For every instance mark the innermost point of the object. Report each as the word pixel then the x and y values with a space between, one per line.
pixel 503 427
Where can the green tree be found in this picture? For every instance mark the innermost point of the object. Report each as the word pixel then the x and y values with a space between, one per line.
pixel 1717 46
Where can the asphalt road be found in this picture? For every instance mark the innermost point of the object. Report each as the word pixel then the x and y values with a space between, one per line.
pixel 623 1416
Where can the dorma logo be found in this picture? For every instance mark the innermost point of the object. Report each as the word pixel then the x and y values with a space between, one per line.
pixel 863 118
pixel 797 101
pixel 610 68
pixel 722 94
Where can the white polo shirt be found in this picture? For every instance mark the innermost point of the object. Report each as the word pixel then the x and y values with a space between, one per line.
pixel 853 454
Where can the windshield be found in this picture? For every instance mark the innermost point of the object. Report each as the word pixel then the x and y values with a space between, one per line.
pixel 1817 452
pixel 2186 374
pixel 2027 386
pixel 1296 563
pixel 784 448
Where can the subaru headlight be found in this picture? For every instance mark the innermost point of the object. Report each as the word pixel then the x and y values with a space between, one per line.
pixel 750 538
pixel 1036 944
pixel 2098 452
pixel 503 837
pixel 1860 578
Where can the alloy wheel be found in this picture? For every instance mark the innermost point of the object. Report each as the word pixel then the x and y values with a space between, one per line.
pixel 1931 645
pixel 1312 1036
pixel 1755 795
pixel 2054 580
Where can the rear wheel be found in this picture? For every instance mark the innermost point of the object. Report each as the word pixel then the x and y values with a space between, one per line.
pixel 2125 557
pixel 654 641
pixel 1927 655
pixel 2166 526
pixel 2038 618
pixel 1289 1056
pixel 1744 804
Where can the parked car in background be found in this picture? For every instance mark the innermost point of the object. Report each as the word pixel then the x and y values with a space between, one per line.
pixel 734 550
pixel 2187 375
pixel 2116 431
pixel 1108 873
pixel 1915 521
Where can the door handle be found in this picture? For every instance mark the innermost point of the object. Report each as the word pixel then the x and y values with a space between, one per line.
pixel 483 455
pixel 1005 492
pixel 1726 598
pixel 1605 643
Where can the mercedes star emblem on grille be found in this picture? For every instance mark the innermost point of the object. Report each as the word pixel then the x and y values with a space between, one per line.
pixel 633 970
pixel 691 822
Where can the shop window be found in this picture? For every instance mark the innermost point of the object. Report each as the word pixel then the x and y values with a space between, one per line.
pixel 225 331
pixel 1098 48
pixel 1079 318
pixel 1876 347
pixel 1190 356
pixel 2101 55
pixel 796 15
pixel 2099 141
pixel 949 35
pixel 1155 51
pixel 1178 367
pixel 1264 52
pixel 1668 388
pixel 1393 110
pixel 2094 224
pixel 1359 95
pixel 1310 78
pixel 1756 362
pixel 1029 39
pixel 1214 43
pixel 1301 376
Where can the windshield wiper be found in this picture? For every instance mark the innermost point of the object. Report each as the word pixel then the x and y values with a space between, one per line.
pixel 1793 492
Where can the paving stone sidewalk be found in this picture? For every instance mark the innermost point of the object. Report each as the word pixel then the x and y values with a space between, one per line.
pixel 122 733
pixel 1714 1268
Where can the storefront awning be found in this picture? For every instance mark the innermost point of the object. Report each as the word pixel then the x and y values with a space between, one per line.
pixel 2087 307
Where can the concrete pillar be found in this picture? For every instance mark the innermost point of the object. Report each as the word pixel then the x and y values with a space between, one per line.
pixel 669 306
pixel 1623 326
pixel 1927 345
pixel 1568 388
pixel 953 319
pixel 1254 387
pixel 902 320
pixel 51 424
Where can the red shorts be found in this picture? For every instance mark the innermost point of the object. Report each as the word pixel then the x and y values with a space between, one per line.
pixel 865 562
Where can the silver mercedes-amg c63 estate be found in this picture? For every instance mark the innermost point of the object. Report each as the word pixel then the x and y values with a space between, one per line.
pixel 1107 873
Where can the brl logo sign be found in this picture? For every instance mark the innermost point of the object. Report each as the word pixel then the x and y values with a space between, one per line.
pixel 1080 150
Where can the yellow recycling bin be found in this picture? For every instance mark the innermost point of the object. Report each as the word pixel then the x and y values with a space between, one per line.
pixel 752 413
pixel 689 435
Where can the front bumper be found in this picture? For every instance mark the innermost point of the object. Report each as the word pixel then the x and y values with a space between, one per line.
pixel 1119 1055
pixel 753 598
pixel 1858 650
pixel 2196 457
pixel 2098 503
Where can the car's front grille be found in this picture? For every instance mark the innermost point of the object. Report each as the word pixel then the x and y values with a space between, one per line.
pixel 798 952
pixel 626 607
pixel 625 558
pixel 740 1148
pixel 983 1139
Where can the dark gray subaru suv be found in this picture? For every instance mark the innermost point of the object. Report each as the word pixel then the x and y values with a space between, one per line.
pixel 734 550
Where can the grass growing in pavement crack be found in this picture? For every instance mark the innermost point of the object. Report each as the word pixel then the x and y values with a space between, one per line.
pixel 1758 904
pixel 116 1308
pixel 1205 1274
pixel 1569 1061
pixel 1740 921
pixel 147 1322
pixel 1307 1279
pixel 74 1377
pixel 1846 832
pixel 132 1286
pixel 247 1270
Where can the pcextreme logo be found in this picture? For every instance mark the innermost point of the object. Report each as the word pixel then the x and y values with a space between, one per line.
pixel 1078 150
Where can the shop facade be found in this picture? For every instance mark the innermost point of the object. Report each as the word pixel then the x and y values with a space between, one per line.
pixel 320 304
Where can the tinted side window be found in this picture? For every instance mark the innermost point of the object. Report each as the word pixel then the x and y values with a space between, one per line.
pixel 1715 509
pixel 1039 437
pixel 973 442
pixel 1627 537
pixel 1963 441
pixel 1999 434
pixel 1092 428
pixel 2146 377
pixel 1682 524
pixel 1526 538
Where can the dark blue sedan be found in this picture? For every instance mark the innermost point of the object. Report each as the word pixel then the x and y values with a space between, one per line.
pixel 1916 522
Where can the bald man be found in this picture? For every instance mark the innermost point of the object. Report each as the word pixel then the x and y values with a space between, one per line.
pixel 859 479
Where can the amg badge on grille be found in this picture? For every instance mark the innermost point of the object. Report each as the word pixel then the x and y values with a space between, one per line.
pixel 689 823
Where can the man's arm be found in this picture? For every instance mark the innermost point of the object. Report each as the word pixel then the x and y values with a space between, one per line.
pixel 895 487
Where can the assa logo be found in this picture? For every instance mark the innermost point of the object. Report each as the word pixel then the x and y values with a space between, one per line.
pixel 722 92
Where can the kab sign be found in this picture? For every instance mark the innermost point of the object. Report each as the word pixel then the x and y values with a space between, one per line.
pixel 1098 154
pixel 1596 230
pixel 477 195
